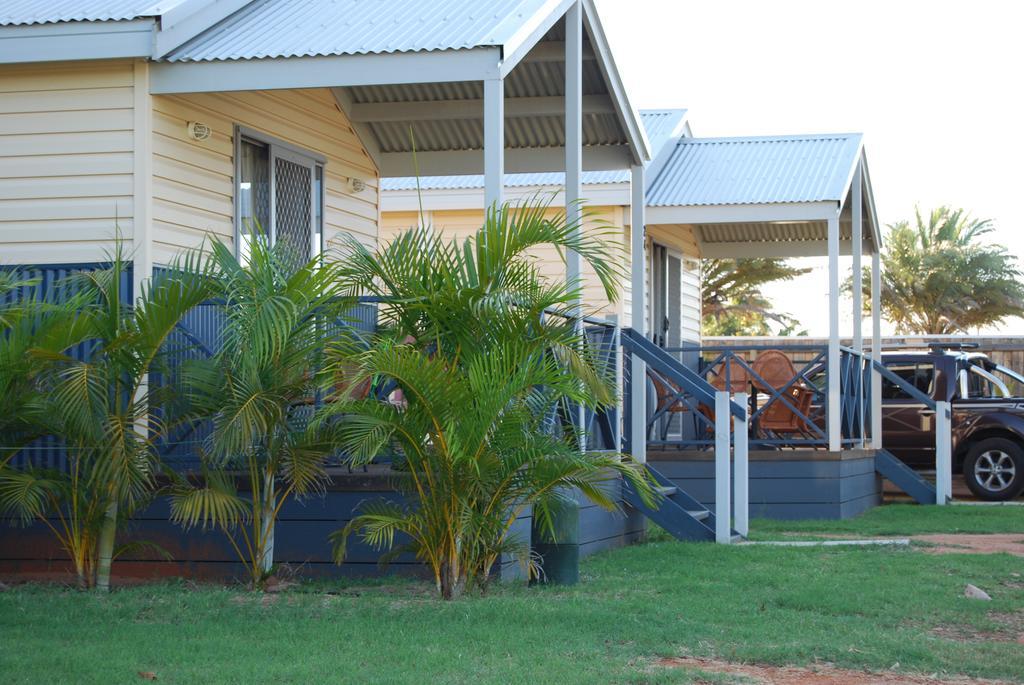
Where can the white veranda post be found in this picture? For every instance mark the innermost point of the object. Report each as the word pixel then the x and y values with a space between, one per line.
pixel 834 418
pixel 857 238
pixel 876 347
pixel 494 141
pixel 637 368
pixel 574 151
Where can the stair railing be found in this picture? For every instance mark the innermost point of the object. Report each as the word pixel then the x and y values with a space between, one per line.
pixel 943 432
pixel 730 426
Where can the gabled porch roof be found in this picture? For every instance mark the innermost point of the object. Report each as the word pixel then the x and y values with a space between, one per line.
pixel 411 75
pixel 765 195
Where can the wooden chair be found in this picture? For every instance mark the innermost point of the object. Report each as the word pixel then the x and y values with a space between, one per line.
pixel 774 371
pixel 732 376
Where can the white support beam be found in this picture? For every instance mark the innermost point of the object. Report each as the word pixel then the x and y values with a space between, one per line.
pixel 494 141
pixel 453 110
pixel 857 237
pixel 142 165
pixel 377 69
pixel 834 399
pixel 638 368
pixel 751 248
pixel 573 132
pixel 741 470
pixel 573 107
pixel 723 479
pixel 739 214
pixel 876 348
pixel 553 51
pixel 527 37
pixel 517 160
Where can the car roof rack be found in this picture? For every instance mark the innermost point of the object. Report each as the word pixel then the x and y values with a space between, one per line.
pixel 953 346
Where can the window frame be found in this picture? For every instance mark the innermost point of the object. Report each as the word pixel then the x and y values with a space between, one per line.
pixel 276 146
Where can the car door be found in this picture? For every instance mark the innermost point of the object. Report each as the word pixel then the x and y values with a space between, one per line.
pixel 908 426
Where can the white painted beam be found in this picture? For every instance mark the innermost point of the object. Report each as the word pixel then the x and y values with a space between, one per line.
pixel 553 51
pixel 378 69
pixel 723 479
pixel 781 248
pixel 857 238
pixel 753 213
pixel 741 474
pixel 573 105
pixel 517 160
pixel 453 110
pixel 363 131
pixel 142 167
pixel 638 368
pixel 494 142
pixel 876 348
pixel 834 399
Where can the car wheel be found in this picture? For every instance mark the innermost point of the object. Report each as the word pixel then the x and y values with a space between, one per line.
pixel 994 469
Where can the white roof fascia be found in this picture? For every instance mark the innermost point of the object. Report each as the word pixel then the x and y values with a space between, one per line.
pixel 530 33
pixel 750 213
pixel 848 182
pixel 600 195
pixel 517 160
pixel 869 195
pixel 628 116
pixel 785 248
pixel 184 22
pixel 76 40
pixel 393 68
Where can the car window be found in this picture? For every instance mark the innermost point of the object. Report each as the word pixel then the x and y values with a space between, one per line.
pixel 920 375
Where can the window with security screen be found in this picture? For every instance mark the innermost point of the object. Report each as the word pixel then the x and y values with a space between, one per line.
pixel 279 199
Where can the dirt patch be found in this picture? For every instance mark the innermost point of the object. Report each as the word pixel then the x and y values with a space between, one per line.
pixel 814 675
pixel 963 543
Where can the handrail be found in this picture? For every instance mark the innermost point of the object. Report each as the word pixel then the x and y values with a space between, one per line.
pixel 675 372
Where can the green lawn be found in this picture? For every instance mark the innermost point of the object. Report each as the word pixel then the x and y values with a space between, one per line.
pixel 858 608
pixel 903 519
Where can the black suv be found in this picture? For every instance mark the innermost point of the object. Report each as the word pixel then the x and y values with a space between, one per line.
pixel 988 416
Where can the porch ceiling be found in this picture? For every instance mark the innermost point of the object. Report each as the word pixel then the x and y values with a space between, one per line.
pixel 409 74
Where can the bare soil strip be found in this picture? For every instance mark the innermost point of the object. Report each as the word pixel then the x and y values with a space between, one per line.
pixel 814 675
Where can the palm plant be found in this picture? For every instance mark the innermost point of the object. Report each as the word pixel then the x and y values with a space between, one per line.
pixel 486 356
pixel 102 406
pixel 939 276
pixel 33 326
pixel 258 390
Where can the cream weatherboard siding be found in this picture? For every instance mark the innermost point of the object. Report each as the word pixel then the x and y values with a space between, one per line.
pixel 66 160
pixel 461 224
pixel 680 239
pixel 193 180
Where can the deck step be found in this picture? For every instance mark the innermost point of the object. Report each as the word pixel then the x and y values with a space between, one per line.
pixel 700 515
pixel 667 490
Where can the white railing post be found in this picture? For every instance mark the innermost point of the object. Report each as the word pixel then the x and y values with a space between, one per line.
pixel 834 420
pixel 741 470
pixel 723 486
pixel 943 453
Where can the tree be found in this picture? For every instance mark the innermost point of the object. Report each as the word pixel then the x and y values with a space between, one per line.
pixel 259 391
pixel 731 298
pixel 940 276
pixel 102 406
pixel 485 354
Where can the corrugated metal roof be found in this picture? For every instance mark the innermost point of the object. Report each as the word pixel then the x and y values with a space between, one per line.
pixel 660 125
pixel 755 170
pixel 21 12
pixel 295 28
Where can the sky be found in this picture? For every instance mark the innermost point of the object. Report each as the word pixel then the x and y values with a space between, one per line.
pixel 936 87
